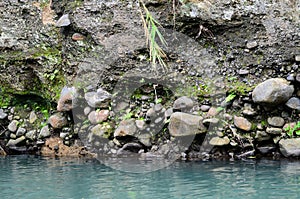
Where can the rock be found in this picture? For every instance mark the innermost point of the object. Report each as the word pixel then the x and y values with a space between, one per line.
pixel 3 115
pixel 209 121
pixel 13 126
pixel 274 131
pixel 243 72
pixel 298 77
pixel 272 92
pixel 276 121
pixel 184 104
pixel 132 147
pixel 31 135
pixel 157 107
pixel 97 131
pixel 145 139
pixel 217 141
pixel 63 21
pixel 204 108
pixel 212 112
pixel 297 58
pixel 32 117
pixel 266 149
pixel 168 112
pixel 242 123
pixel 2 152
pixel 95 99
pixel 87 110
pixel 96 117
pixel 126 127
pixel 77 37
pixel 65 100
pixel 21 131
pixel 57 120
pixel 44 133
pixel 140 124
pixel 183 124
pixel 251 44
pixel 290 147
pixel 262 136
pixel 293 103
pixel 15 142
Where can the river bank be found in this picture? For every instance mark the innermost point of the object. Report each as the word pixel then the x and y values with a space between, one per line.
pixel 78 82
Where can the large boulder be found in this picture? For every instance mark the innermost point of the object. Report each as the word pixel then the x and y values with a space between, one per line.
pixel 183 124
pixel 272 92
pixel 290 147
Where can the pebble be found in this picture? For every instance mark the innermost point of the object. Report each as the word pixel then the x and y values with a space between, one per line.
pixel 242 123
pixel 21 131
pixel 243 72
pixel 274 131
pixel 276 121
pixel 298 77
pixel 77 37
pixel 3 115
pixel 32 117
pixel 204 108
pixel 293 103
pixel 297 58
pixel 63 21
pixel 251 44
pixel 13 125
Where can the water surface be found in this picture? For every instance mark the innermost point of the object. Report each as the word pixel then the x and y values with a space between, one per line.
pixel 38 177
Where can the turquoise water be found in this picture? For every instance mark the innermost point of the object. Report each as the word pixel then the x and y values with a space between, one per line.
pixel 37 177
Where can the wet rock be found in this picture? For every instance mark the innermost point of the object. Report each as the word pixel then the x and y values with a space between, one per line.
pixel 126 127
pixel 217 141
pixel 57 120
pixel 63 21
pixel 242 123
pixel 251 44
pixel 266 149
pixel 262 136
pixel 290 147
pixel 276 121
pixel 96 117
pixel 31 135
pixel 15 142
pixel 95 99
pixel 3 115
pixel 183 124
pixel 65 100
pixel 21 131
pixel 184 104
pixel 32 117
pixel 13 126
pixel 44 133
pixel 293 103
pixel 130 147
pixel 272 92
pixel 274 131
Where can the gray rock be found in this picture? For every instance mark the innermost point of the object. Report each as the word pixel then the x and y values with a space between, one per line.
pixel 262 136
pixel 209 121
pixel 242 123
pixel 63 21
pixel 293 103
pixel 62 135
pixel 15 142
pixel 183 124
pixel 126 127
pixel 251 44
pixel 274 131
pixel 266 149
pixel 145 139
pixel 272 92
pixel 140 124
pixel 32 117
pixel 243 72
pixel 44 133
pixel 13 126
pixel 290 147
pixel 184 104
pixel 298 77
pixel 65 100
pixel 168 112
pixel 204 108
pixel 3 115
pixel 57 120
pixel 297 58
pixel 21 131
pixel 95 99
pixel 31 135
pixel 217 141
pixel 157 107
pixel 276 121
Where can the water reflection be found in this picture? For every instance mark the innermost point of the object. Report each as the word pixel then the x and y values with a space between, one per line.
pixel 35 177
